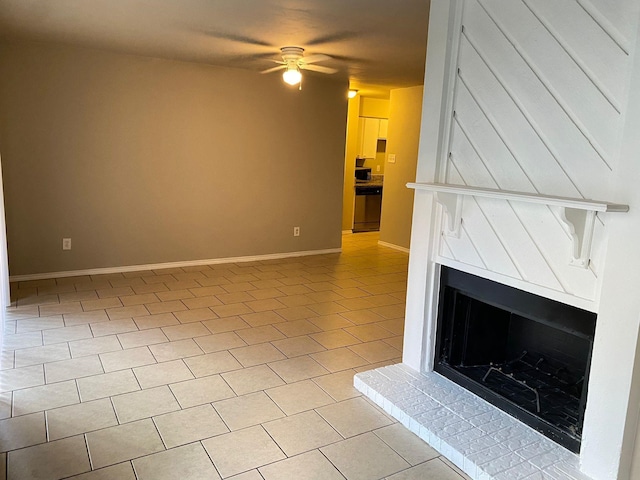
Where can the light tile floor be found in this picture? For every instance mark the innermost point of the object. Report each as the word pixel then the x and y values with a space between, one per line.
pixel 240 371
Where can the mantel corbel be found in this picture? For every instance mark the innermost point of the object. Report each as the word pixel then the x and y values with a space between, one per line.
pixel 452 204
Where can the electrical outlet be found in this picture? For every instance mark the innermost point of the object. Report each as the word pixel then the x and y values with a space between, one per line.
pixel 377 168
pixel 296 231
pixel 66 244
pixel 391 158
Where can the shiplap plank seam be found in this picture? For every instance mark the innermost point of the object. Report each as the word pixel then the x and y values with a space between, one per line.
pixel 553 271
pixel 604 91
pixel 495 128
pixel 464 131
pixel 529 234
pixel 445 244
pixel 534 102
pixel 484 163
pixel 520 107
pixel 555 95
pixel 525 115
pixel 543 258
pixel 606 26
pixel 495 233
pixel 442 170
pixel 487 109
pixel 524 227
pixel 477 152
pixel 466 232
pixel 500 136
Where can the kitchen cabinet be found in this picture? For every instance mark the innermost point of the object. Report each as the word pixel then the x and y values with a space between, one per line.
pixel 382 131
pixel 371 129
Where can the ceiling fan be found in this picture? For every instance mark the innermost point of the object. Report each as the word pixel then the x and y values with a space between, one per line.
pixel 293 60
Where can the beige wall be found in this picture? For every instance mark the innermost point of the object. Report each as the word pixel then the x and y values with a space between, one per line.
pixel 141 160
pixel 635 463
pixel 405 112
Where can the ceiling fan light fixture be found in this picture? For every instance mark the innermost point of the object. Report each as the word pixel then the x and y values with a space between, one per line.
pixel 352 93
pixel 292 76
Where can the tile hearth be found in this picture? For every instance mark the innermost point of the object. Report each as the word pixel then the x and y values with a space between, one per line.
pixel 483 441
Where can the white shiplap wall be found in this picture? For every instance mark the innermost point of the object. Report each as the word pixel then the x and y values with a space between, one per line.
pixel 538 107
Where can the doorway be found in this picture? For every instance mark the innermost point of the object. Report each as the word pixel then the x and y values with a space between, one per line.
pixel 367 122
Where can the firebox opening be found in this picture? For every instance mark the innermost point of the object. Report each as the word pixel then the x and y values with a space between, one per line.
pixel 526 354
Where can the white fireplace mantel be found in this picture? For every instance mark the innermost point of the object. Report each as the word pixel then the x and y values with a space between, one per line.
pixel 577 214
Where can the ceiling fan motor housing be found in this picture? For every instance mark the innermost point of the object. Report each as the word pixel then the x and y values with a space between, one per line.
pixel 291 55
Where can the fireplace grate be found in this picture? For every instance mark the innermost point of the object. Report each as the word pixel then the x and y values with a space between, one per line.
pixel 535 383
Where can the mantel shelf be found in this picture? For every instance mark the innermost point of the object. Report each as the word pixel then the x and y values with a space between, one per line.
pixel 577 213
pixel 578 203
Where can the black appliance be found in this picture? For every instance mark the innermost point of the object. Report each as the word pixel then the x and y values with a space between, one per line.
pixel 363 174
pixel 368 205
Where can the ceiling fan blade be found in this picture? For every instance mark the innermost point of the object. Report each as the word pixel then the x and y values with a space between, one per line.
pixel 332 38
pixel 319 68
pixel 274 69
pixel 318 57
pixel 236 38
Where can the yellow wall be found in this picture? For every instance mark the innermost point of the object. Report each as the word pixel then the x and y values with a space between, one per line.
pixel 374 107
pixel 403 137
pixel 374 163
pixel 353 128
pixel 142 160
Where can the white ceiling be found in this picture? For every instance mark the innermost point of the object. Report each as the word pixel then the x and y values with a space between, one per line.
pixel 373 42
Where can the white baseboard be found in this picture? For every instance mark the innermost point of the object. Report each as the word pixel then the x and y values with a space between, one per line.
pixel 159 266
pixel 395 247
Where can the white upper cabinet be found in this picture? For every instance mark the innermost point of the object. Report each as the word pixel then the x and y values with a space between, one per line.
pixel 382 131
pixel 371 129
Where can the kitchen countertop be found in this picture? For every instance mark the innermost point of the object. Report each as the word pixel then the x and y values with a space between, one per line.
pixel 368 184
pixel 376 181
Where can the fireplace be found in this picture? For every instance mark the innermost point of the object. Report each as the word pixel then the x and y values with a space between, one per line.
pixel 526 354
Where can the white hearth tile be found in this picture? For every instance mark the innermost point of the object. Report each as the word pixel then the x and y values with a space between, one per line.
pixel 501 464
pixel 500 422
pixel 481 440
pixel 571 470
pixel 482 443
pixel 555 474
pixel 520 442
pixel 522 470
pixel 489 455
pixel 534 450
pixel 419 407
pixel 470 468
pixel 548 459
pixel 464 438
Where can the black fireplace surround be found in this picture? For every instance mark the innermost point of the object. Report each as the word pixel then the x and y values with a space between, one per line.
pixel 527 355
